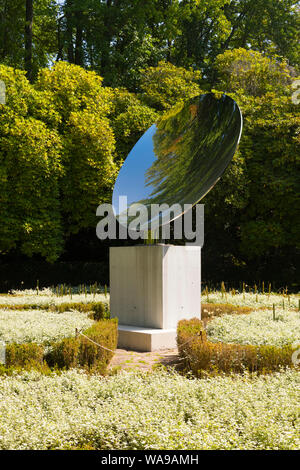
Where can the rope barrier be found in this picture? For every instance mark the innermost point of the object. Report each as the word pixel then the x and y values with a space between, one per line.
pixel 78 332
pixel 97 344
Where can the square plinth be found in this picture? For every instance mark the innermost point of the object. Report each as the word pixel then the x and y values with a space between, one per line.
pixel 138 338
pixel 155 286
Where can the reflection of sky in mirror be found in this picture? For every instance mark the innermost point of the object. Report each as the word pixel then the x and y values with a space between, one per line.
pixel 130 181
pixel 179 159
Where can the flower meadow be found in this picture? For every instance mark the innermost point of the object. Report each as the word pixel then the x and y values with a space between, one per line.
pixel 156 410
pixel 161 409
pixel 39 326
pixel 257 328
pixel 46 297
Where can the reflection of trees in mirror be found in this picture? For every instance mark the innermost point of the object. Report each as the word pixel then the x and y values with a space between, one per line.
pixel 193 146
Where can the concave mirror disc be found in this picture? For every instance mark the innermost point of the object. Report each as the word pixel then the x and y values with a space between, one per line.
pixel 180 158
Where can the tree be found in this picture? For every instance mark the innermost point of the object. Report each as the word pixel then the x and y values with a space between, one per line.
pixel 58 154
pixel 30 165
pixel 119 38
pixel 28 38
pixel 28 33
pixel 12 25
pixel 253 211
pixel 271 218
pixel 203 28
pixel 252 73
pixel 56 149
pixel 163 86
pixel 268 26
pixel 129 119
pixel 87 139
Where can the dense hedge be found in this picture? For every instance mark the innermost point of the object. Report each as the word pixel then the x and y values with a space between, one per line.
pixel 24 355
pixel 201 356
pixel 80 352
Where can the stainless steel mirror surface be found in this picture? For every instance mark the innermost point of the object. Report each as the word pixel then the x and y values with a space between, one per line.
pixel 180 158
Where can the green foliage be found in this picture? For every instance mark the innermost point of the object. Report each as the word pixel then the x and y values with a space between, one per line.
pixel 251 73
pixel 24 355
pixel 56 148
pixel 189 328
pixel 255 205
pixel 165 85
pixel 271 142
pixel 203 357
pixel 204 28
pixel 12 26
pixel 73 89
pixel 30 169
pixel 208 28
pixel 130 118
pixel 64 354
pixel 63 139
pixel 99 311
pixel 88 141
pixel 28 366
pixel 270 26
pixel 118 39
pixel 67 353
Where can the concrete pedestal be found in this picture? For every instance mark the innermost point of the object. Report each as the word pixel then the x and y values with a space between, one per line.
pixel 152 287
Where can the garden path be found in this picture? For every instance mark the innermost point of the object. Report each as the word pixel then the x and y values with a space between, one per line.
pixel 146 361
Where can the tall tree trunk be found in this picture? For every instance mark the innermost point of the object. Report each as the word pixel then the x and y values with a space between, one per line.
pixel 4 33
pixel 69 31
pixel 60 44
pixel 79 39
pixel 108 33
pixel 28 39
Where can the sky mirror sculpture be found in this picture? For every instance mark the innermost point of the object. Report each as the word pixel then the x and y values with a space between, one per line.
pixel 180 158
